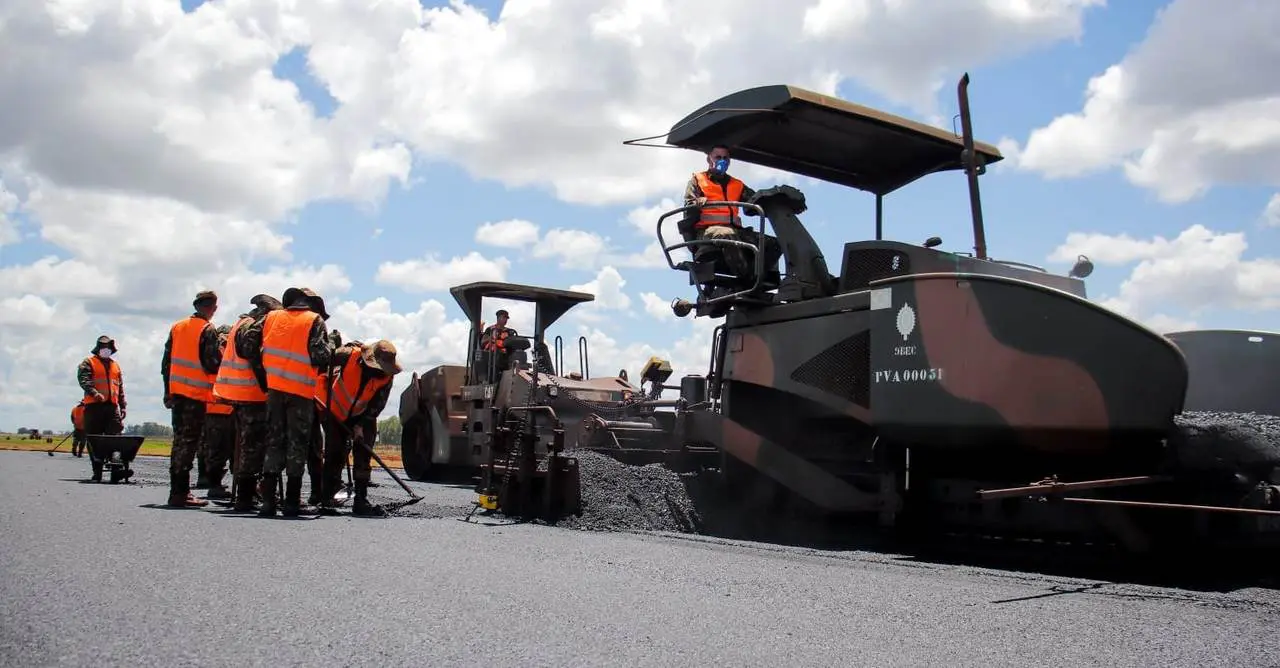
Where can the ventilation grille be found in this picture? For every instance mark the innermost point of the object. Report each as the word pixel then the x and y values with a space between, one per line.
pixel 843 370
pixel 865 265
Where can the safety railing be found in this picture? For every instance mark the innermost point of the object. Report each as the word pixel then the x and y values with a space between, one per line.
pixel 558 355
pixel 584 365
pixel 756 251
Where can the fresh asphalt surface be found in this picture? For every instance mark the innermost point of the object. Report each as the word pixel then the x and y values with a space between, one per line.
pixel 105 575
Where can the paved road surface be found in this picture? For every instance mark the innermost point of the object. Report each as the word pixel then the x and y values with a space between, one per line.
pixel 96 575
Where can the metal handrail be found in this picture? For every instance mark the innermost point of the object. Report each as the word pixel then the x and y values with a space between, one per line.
pixel 756 251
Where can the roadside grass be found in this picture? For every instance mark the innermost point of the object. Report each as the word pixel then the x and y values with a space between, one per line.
pixel 158 447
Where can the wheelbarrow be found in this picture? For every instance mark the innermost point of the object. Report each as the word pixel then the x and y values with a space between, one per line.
pixel 116 453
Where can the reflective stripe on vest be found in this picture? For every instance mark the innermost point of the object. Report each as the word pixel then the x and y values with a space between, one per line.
pixel 285 352
pixel 719 215
pixel 104 381
pixel 218 408
pixel 187 376
pixel 236 380
pixel 348 397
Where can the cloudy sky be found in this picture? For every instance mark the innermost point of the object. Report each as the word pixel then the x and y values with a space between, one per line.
pixel 380 151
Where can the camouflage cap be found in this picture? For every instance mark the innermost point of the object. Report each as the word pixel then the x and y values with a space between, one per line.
pixel 306 295
pixel 205 296
pixel 266 302
pixel 104 341
pixel 381 355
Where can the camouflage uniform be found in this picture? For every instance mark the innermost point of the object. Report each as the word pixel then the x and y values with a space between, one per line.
pixel 251 441
pixel 289 416
pixel 219 443
pixel 101 417
pixel 188 414
pixel 338 436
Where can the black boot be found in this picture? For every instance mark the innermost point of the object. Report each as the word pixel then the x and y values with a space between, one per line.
pixel 293 506
pixel 361 507
pixel 97 470
pixel 216 490
pixel 268 491
pixel 244 494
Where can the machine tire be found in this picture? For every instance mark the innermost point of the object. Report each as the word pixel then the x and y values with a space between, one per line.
pixel 417 463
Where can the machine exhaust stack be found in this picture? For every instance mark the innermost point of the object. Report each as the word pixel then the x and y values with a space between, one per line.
pixel 973 168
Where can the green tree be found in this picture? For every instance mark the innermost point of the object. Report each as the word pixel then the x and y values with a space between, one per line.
pixel 389 430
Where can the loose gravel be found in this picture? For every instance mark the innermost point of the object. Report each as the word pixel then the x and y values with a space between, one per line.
pixel 619 497
pixel 1229 442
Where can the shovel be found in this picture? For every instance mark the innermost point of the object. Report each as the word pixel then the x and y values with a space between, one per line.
pixel 59 445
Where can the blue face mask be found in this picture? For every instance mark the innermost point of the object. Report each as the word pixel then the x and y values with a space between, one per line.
pixel 721 165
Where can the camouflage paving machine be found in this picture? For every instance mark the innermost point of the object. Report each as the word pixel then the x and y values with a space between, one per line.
pixel 941 391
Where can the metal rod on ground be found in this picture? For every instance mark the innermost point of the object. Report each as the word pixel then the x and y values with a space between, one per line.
pixel 59 445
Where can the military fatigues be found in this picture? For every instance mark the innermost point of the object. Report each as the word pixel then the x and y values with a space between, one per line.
pixel 338 434
pixel 243 384
pixel 290 415
pixel 219 440
pixel 182 375
pixel 102 376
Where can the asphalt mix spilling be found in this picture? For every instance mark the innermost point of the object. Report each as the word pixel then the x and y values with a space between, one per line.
pixel 1228 442
pixel 622 497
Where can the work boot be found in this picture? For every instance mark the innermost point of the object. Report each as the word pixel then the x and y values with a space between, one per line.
pixel 97 470
pixel 268 491
pixel 180 494
pixel 361 506
pixel 216 490
pixel 244 494
pixel 293 506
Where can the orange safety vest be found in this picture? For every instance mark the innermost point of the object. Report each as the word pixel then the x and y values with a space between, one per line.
pixel 187 376
pixel 719 215
pixel 285 354
pixel 498 340
pixel 105 382
pixel 236 380
pixel 348 397
pixel 77 417
pixel 218 408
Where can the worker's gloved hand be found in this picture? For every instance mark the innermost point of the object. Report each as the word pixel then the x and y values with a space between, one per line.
pixel 98 396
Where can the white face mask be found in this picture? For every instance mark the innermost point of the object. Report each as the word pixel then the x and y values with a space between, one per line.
pixel 105 353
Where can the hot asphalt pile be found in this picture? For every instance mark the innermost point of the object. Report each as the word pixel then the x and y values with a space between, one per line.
pixel 1214 441
pixel 619 497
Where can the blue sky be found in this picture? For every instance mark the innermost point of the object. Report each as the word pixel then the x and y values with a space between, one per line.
pixel 1027 215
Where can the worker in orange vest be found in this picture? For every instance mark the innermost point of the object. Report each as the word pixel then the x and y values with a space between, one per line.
pixel 77 430
pixel 243 384
pixel 104 401
pixel 714 184
pixel 189 366
pixel 350 403
pixel 219 435
pixel 293 346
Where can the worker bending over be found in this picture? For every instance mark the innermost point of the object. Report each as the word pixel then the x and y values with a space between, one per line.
pixel 350 403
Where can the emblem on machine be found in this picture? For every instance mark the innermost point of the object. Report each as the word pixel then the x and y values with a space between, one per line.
pixel 906 321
